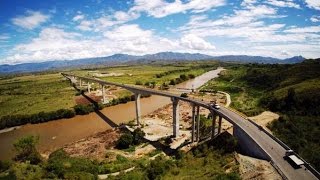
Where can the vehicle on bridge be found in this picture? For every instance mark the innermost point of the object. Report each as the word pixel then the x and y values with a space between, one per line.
pixel 293 159
pixel 214 104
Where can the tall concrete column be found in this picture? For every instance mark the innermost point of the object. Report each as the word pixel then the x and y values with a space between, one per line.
pixel 138 107
pixel 80 82
pixel 214 117
pixel 193 122
pixel 89 87
pixel 175 106
pixel 104 100
pixel 198 123
pixel 220 122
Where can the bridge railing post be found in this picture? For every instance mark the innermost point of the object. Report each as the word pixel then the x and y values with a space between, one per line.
pixel 176 126
pixel 138 107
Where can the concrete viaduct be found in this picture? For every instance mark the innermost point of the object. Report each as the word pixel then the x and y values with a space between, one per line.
pixel 253 139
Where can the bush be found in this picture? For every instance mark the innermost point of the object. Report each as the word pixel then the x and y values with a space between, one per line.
pixel 62 165
pixel 185 95
pixel 138 82
pixel 172 82
pixel 81 109
pixel 26 150
pixel 125 141
pixel 138 136
pixel 157 168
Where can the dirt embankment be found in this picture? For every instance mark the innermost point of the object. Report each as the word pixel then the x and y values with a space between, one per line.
pixel 93 146
pixel 265 118
pixel 252 168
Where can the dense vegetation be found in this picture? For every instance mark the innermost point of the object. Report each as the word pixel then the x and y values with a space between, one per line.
pixel 291 90
pixel 207 161
pixel 210 160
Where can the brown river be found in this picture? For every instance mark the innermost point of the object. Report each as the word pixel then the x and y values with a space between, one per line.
pixel 55 134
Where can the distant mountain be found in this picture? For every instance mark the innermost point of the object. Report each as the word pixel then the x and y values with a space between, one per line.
pixel 125 58
pixel 259 59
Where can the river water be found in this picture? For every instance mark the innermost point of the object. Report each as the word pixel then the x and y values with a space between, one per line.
pixel 55 134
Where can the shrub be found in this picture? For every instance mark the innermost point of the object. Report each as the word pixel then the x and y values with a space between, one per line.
pixel 138 136
pixel 81 109
pixel 26 150
pixel 172 82
pixel 125 141
pixel 138 82
pixel 185 95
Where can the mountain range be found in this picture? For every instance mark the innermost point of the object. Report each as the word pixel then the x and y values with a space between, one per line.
pixel 125 58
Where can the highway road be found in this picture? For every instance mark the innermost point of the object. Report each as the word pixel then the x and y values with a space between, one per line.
pixel 270 146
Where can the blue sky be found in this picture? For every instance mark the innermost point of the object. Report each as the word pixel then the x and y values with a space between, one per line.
pixel 37 30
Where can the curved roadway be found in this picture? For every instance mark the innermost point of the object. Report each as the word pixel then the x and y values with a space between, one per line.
pixel 269 145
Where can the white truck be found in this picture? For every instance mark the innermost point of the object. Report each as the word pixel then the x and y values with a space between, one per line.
pixel 293 158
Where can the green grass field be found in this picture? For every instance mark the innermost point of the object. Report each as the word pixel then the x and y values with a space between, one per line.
pixel 35 93
pixel 45 92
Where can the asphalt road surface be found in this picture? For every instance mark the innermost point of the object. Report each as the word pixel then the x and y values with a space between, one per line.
pixel 273 149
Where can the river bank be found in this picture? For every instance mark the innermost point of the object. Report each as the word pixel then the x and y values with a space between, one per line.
pixel 55 134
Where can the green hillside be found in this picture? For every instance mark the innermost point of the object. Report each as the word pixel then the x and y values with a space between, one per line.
pixel 293 91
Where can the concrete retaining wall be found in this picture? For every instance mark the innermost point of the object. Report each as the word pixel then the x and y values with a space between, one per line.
pixel 248 146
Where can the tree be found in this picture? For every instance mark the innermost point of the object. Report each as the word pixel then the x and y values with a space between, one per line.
pixel 26 150
pixel 125 141
pixel 138 136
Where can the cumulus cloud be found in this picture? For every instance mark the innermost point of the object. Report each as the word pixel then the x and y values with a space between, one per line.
pixel 31 20
pixel 162 8
pixel 284 3
pixel 78 17
pixel 315 19
pixel 315 4
pixel 192 41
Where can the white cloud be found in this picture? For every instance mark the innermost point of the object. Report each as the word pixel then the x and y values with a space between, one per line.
pixel 85 25
pixel 315 19
pixel 307 29
pixel 192 41
pixel 161 8
pixel 78 17
pixel 4 37
pixel 284 3
pixel 315 4
pixel 248 2
pixel 30 21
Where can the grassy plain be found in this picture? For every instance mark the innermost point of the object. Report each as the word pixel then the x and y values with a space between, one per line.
pixel 47 92
pixel 35 93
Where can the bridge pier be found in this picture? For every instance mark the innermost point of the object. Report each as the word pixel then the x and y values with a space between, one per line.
pixel 214 117
pixel 89 87
pixel 175 107
pixel 193 122
pixel 138 107
pixel 104 100
pixel 220 122
pixel 198 123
